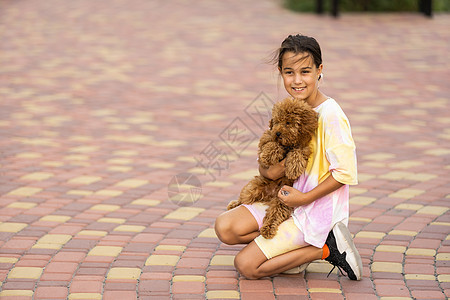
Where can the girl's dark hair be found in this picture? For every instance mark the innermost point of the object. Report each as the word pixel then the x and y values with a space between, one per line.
pixel 299 44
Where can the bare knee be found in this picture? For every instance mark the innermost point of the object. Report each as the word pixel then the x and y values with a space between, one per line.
pixel 246 267
pixel 224 230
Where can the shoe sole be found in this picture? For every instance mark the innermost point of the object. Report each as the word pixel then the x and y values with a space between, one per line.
pixel 344 242
pixel 297 270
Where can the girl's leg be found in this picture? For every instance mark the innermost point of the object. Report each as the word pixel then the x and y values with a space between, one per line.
pixel 236 226
pixel 253 264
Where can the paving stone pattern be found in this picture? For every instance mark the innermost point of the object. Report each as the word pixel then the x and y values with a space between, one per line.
pixel 127 126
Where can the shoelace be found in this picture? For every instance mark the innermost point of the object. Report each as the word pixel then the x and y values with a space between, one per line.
pixel 339 268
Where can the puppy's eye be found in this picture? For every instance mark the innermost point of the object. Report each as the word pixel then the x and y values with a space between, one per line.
pixel 287 123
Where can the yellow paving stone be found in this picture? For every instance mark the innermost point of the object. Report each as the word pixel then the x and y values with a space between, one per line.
pixel 80 192
pixel 407 193
pixel 370 234
pixel 168 143
pixel 12 227
pixel 93 233
pixel 124 273
pixel 419 277
pixel 132 183
pixel 77 157
pixel 421 252
pixel 59 239
pixel 246 175
pixel 222 260
pixel 443 256
pixel 319 266
pixel 84 149
pixel 357 190
pixel 37 176
pixel 380 156
pixel 209 117
pixel 126 153
pixel 422 176
pixel 433 210
pixel 29 155
pixel 105 207
pixel 361 200
pixel 119 169
pixel 362 177
pixel 403 232
pixel 437 151
pixel 146 202
pixel 16 293
pixel 208 233
pixel 219 183
pixel 84 296
pixel 184 213
pixel 105 251
pixel 112 220
pixel 198 170
pixel 109 193
pixel 444 278
pixel 120 161
pixel 25 273
pixel 170 248
pixel 161 165
pixel 130 228
pixel 162 260
pixel 55 218
pixel 84 180
pixel 395 175
pixel 409 206
pixel 388 267
pixel 391 248
pixel 406 164
pixel 8 260
pixel 226 294
pixel 25 191
pixel 189 278
pixel 325 290
pixel 440 223
pixel 359 219
pixel 186 159
pixel 47 246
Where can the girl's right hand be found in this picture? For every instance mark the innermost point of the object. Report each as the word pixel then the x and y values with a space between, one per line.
pixel 274 172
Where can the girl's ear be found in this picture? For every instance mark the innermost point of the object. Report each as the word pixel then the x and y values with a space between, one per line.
pixel 320 69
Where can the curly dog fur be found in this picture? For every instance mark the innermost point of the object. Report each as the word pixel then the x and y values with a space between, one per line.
pixel 291 129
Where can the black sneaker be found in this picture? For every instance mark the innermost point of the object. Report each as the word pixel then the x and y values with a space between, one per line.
pixel 343 253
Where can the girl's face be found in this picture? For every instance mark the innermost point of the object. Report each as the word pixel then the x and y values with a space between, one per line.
pixel 300 76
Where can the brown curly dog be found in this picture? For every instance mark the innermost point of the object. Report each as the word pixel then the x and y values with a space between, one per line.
pixel 291 129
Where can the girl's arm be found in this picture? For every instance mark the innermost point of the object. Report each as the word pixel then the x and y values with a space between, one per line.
pixel 273 172
pixel 296 198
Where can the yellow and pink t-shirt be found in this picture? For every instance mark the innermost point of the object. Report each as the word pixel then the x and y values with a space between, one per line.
pixel 334 154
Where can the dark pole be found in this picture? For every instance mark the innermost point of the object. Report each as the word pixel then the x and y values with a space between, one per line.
pixel 319 6
pixel 335 8
pixel 427 7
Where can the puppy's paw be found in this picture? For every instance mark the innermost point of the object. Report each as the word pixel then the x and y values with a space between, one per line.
pixel 233 204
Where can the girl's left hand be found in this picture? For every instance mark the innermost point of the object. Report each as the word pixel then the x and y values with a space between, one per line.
pixel 290 196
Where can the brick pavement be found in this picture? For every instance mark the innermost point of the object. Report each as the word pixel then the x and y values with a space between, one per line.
pixel 115 114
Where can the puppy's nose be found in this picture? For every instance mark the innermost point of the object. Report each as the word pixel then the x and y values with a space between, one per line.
pixel 278 133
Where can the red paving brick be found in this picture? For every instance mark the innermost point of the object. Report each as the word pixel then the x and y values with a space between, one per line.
pixel 99 113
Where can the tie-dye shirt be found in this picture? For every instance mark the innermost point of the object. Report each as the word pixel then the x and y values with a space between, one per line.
pixel 333 154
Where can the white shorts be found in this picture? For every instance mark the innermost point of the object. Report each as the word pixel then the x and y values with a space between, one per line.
pixel 288 237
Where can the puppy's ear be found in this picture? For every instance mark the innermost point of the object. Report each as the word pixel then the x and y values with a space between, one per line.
pixel 270 123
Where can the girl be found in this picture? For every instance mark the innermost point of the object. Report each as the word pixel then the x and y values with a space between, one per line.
pixel 320 196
